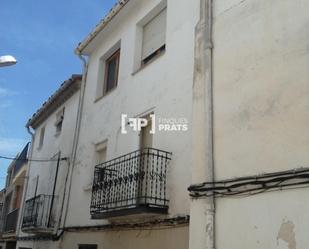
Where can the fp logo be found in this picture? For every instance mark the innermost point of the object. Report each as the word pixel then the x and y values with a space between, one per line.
pixel 137 123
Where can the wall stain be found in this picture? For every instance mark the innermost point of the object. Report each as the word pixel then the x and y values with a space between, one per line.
pixel 286 233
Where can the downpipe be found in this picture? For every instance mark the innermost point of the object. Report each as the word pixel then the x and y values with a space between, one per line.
pixel 202 210
pixel 72 162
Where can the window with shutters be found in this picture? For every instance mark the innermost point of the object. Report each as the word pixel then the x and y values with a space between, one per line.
pixel 59 121
pixel 154 37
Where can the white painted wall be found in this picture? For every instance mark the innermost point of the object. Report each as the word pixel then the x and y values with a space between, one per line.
pixel 163 86
pixel 46 170
pixel 260 118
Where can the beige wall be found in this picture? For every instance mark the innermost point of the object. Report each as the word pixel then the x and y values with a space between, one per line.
pixel 260 86
pixel 40 245
pixel 261 118
pixel 176 238
pixel 277 220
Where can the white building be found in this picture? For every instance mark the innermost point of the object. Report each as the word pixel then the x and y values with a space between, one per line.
pixel 140 63
pixel 236 73
pixel 54 128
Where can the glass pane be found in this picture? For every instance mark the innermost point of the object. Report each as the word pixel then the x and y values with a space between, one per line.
pixel 111 74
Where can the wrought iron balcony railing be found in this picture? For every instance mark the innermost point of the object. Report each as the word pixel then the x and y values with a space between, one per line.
pixel 10 222
pixel 130 184
pixel 38 213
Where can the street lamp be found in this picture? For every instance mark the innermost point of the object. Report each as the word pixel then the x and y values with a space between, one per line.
pixel 7 60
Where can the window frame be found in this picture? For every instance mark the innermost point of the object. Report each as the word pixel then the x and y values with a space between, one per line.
pixel 42 137
pixel 140 62
pixel 115 55
pixel 87 246
pixel 161 49
pixel 150 58
pixel 59 121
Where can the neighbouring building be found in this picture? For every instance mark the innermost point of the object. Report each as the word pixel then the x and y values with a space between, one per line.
pixel 53 134
pixel 12 199
pixel 189 131
pixel 250 162
pixel 2 195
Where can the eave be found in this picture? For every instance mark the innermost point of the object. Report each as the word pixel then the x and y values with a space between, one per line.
pixel 64 92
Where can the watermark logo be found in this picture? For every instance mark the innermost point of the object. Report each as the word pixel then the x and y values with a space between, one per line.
pixel 137 123
pixel 157 124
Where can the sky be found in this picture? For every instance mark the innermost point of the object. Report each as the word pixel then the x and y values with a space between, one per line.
pixel 42 36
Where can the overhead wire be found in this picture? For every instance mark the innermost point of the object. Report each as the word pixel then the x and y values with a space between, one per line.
pixel 34 159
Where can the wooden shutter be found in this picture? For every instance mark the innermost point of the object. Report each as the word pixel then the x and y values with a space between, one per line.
pixel 154 34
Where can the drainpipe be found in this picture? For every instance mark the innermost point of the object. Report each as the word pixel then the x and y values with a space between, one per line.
pixel 26 182
pixel 76 137
pixel 202 210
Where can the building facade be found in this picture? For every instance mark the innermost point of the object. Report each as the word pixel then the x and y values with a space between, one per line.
pixel 131 184
pixel 188 131
pixel 11 198
pixel 44 197
pixel 2 195
pixel 250 186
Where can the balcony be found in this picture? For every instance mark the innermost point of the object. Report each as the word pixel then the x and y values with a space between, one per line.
pixel 131 184
pixel 10 222
pixel 38 216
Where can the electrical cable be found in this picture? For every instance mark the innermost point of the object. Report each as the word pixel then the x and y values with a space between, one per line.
pixel 32 159
pixel 252 185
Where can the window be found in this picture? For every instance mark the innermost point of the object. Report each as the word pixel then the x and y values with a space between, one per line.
pixel 101 149
pixel 101 156
pixel 42 134
pixel 146 136
pixel 111 72
pixel 154 36
pixel 34 186
pixel 59 121
pixel 87 246
pixel 8 178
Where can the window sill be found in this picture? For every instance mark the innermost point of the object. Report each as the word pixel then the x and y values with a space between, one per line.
pixel 149 62
pixel 87 187
pixel 57 134
pixel 105 94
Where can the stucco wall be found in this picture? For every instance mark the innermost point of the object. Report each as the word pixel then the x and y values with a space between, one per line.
pixel 163 86
pixel 260 117
pixel 260 86
pixel 176 238
pixel 270 220
pixel 52 145
pixel 39 244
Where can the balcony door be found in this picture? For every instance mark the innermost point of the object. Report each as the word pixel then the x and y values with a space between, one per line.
pixel 145 136
pixel 146 142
